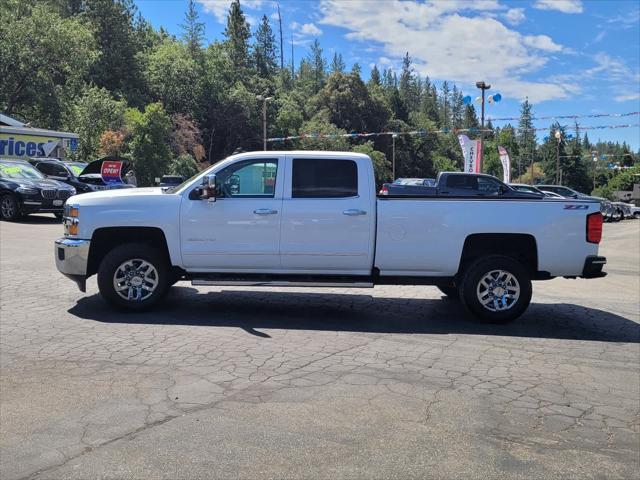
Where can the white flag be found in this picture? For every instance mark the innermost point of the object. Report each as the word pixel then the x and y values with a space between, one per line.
pixel 506 164
pixel 471 154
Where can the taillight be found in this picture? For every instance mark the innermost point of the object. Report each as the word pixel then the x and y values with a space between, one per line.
pixel 594 227
pixel 384 191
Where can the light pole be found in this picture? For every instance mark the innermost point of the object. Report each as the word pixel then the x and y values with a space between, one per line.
pixel 558 136
pixel 594 155
pixel 264 99
pixel 393 156
pixel 482 86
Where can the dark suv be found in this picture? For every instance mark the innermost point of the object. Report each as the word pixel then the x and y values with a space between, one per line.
pixel 24 190
pixel 66 172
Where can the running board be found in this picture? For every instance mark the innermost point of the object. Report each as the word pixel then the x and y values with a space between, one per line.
pixel 279 283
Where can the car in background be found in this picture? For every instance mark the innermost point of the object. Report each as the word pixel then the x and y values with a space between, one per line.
pixel 624 209
pixel 92 174
pixel 566 192
pixel 521 187
pixel 407 186
pixel 171 180
pixel 24 190
pixel 66 172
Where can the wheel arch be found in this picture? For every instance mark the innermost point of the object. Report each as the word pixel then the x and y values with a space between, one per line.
pixel 520 246
pixel 105 239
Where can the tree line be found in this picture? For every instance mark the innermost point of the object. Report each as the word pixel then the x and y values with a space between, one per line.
pixel 174 104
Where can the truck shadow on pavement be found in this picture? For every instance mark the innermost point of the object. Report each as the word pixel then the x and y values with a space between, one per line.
pixel 253 310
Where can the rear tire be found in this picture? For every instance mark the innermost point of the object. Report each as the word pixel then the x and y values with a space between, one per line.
pixel 496 289
pixel 450 291
pixel 9 207
pixel 133 276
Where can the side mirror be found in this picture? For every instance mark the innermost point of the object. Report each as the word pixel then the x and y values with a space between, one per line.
pixel 209 191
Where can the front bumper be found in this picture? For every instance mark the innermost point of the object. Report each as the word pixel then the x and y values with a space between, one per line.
pixel 72 256
pixel 593 266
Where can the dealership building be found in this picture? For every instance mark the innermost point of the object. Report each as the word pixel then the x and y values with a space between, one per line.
pixel 19 140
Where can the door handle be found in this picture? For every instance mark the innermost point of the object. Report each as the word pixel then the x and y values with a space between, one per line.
pixel 265 211
pixel 353 212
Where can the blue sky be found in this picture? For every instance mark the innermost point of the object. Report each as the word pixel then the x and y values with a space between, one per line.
pixel 569 57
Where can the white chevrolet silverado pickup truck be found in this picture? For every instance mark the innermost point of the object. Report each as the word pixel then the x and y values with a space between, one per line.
pixel 312 219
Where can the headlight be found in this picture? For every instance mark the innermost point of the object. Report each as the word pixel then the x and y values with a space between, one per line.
pixel 26 190
pixel 72 191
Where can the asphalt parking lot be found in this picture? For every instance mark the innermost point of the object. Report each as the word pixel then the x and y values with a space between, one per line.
pixel 393 382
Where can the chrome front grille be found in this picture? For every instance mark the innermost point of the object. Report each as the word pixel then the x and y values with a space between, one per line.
pixel 48 194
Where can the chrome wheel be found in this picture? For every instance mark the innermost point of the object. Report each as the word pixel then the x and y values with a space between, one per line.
pixel 498 290
pixel 8 207
pixel 135 280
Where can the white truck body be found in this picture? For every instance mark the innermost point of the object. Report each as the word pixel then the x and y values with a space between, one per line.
pixel 290 231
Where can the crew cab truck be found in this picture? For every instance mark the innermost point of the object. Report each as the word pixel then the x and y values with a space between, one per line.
pixel 305 218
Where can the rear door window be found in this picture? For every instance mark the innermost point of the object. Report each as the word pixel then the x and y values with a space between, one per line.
pixel 324 178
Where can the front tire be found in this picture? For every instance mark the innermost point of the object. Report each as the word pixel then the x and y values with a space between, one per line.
pixel 496 289
pixel 133 276
pixel 9 207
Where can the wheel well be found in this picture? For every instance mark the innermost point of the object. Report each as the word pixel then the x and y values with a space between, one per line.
pixel 521 247
pixel 104 240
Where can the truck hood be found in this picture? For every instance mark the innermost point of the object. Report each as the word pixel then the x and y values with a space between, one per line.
pixel 119 195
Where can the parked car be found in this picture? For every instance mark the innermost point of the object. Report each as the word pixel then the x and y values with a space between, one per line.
pixel 66 172
pixel 24 190
pixel 312 219
pixel 171 180
pixel 459 184
pixel 625 209
pixel 521 187
pixel 635 211
pixel 566 192
pixel 409 186
pixel 92 174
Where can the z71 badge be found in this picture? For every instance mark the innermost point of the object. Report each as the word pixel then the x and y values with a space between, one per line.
pixel 576 207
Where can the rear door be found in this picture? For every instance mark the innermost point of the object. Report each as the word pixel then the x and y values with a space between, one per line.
pixel 328 216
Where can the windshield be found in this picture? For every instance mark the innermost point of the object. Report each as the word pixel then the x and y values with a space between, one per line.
pixel 175 188
pixel 18 171
pixel 77 167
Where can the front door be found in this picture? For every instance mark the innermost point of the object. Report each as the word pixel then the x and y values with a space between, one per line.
pixel 240 231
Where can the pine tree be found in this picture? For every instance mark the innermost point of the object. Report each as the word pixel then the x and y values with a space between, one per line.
pixel 193 30
pixel 526 135
pixel 264 53
pixel 337 64
pixel 318 65
pixel 470 117
pixel 375 76
pixel 445 105
pixel 237 33
pixel 457 108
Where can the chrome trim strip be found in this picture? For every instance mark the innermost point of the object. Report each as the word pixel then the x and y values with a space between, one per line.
pixel 279 283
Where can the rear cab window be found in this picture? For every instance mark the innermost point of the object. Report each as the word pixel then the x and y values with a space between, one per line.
pixel 324 178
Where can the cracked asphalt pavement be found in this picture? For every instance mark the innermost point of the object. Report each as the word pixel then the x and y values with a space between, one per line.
pixel 394 382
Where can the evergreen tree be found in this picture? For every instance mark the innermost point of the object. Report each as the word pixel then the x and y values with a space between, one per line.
pixel 445 105
pixel 337 64
pixel 375 76
pixel 265 55
pixel 193 30
pixel 237 33
pixel 457 108
pixel 318 65
pixel 526 135
pixel 470 117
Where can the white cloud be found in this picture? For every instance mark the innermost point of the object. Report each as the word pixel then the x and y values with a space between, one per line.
pixel 220 8
pixel 542 42
pixel 309 29
pixel 444 44
pixel 564 6
pixel 626 98
pixel 514 16
pixel 598 38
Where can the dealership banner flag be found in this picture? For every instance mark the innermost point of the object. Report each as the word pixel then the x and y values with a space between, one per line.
pixel 471 154
pixel 506 164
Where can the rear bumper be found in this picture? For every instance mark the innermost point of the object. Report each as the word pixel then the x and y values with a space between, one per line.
pixel 593 266
pixel 72 256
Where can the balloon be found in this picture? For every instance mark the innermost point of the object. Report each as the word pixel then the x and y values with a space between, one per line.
pixel 466 100
pixel 490 99
pixel 478 99
pixel 546 139
pixel 496 97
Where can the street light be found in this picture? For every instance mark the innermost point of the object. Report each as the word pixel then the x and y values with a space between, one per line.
pixel 393 157
pixel 482 86
pixel 558 135
pixel 264 100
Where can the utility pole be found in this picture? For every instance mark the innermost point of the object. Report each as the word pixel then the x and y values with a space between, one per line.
pixel 594 154
pixel 482 86
pixel 264 99
pixel 393 156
